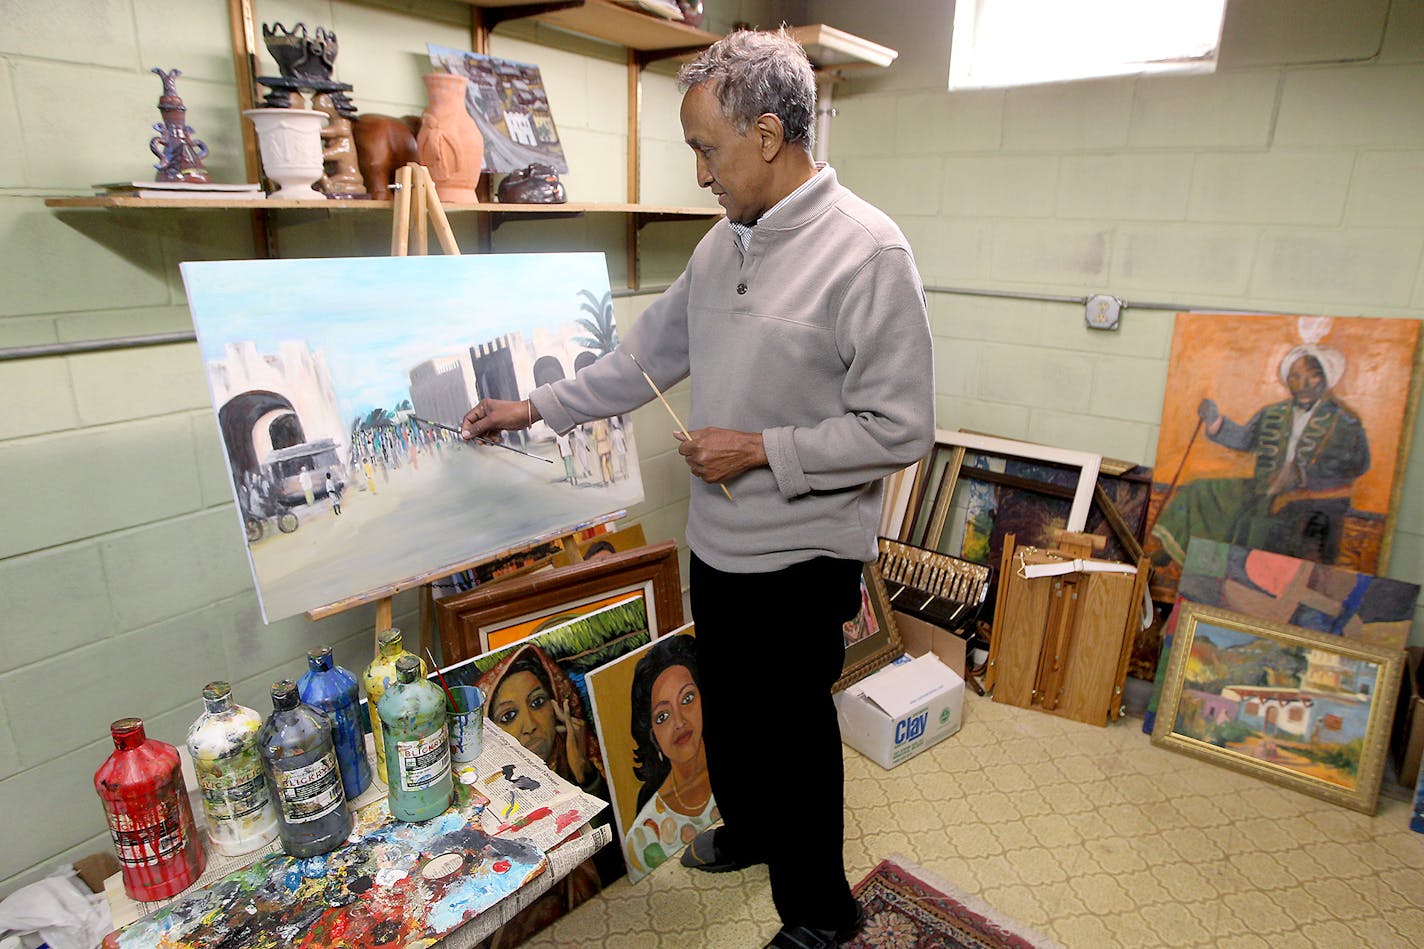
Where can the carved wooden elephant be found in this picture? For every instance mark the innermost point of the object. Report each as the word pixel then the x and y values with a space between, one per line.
pixel 383 144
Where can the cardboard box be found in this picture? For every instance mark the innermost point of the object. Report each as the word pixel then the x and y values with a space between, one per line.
pixel 920 637
pixel 1408 731
pixel 901 710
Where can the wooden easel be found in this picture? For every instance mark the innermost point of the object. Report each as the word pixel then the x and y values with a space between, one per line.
pixel 416 207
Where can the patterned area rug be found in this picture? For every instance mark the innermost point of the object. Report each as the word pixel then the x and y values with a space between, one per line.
pixel 909 908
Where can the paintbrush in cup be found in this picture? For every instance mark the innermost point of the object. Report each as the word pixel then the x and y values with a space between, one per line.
pixel 681 427
pixel 449 696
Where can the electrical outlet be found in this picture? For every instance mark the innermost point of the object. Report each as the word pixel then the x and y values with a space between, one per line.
pixel 1103 312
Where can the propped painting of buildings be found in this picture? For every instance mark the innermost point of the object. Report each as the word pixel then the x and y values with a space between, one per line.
pixel 1303 708
pixel 330 380
pixel 508 102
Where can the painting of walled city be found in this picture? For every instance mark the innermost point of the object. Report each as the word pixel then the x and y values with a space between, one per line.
pixel 334 380
pixel 1300 707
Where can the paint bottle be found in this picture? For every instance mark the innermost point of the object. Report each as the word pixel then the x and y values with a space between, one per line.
pixel 300 760
pixel 146 803
pixel 417 739
pixel 236 799
pixel 333 690
pixel 378 676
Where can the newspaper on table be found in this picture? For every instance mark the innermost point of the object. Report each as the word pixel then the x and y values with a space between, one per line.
pixel 526 799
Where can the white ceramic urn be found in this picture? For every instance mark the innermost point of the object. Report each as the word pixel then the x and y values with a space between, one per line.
pixel 290 142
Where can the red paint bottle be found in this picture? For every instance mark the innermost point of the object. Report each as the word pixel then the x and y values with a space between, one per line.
pixel 150 819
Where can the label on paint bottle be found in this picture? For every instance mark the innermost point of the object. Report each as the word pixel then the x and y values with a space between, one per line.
pixel 229 803
pixel 143 840
pixel 424 762
pixel 311 792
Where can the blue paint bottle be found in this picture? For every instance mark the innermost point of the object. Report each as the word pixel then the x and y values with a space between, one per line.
pixel 299 757
pixel 333 690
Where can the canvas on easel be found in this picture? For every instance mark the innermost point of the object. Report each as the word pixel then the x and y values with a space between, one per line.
pixel 335 383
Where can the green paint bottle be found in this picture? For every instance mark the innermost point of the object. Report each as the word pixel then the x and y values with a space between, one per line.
pixel 417 740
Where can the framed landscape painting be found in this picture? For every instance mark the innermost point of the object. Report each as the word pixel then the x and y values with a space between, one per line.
pixel 1303 709
pixel 488 617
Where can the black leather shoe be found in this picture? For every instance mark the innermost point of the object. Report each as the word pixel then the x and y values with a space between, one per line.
pixel 702 854
pixel 804 937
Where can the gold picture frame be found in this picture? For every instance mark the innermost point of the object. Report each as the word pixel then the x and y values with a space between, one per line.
pixel 872 638
pixel 1305 710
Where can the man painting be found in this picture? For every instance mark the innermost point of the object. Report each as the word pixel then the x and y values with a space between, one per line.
pixel 801 323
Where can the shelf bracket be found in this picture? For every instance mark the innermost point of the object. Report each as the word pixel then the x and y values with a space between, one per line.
pixel 646 57
pixel 491 17
pixel 504 217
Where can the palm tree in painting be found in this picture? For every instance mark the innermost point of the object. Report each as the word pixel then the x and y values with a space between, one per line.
pixel 603 337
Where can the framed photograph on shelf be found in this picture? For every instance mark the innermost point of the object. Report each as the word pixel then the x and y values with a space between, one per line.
pixel 487 617
pixel 872 640
pixel 1302 709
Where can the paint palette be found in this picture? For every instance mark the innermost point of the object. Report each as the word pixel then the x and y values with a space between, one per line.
pixel 393 885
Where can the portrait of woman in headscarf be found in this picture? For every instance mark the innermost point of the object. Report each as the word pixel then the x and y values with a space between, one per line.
pixel 532 699
pixel 675 799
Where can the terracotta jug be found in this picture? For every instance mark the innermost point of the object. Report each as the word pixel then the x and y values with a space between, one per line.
pixel 450 144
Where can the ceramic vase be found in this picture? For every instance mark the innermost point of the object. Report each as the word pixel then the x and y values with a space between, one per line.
pixel 450 144
pixel 290 142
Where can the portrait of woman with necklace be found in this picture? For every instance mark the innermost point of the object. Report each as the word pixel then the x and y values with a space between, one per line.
pixel 675 800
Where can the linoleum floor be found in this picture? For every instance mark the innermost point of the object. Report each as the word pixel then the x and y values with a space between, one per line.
pixel 1091 836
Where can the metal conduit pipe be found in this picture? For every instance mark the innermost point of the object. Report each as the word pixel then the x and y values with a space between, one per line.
pixel 42 350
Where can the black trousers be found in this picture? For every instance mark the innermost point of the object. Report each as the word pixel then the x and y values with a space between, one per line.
pixel 769 648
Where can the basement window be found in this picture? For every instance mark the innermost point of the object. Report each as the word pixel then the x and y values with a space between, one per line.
pixel 999 43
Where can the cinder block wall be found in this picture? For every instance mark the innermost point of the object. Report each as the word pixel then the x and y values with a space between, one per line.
pixel 123 581
pixel 1291 181
pixel 123 584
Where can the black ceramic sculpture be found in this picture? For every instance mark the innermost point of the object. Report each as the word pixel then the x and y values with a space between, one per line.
pixel 532 184
pixel 305 62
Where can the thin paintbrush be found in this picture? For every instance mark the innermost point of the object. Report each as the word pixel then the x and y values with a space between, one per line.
pixel 659 394
pixel 454 706
pixel 481 439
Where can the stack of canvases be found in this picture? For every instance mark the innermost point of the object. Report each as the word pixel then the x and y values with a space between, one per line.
pixel 1282 653
pixel 1275 648
pixel 1065 622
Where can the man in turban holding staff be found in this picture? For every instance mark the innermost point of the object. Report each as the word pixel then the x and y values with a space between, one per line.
pixel 1309 450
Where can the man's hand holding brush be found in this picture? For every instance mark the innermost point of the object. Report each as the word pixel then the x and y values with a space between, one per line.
pixel 719 454
pixel 491 416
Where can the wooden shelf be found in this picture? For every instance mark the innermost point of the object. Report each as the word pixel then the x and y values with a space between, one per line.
pixel 830 48
pixel 604 20
pixel 532 210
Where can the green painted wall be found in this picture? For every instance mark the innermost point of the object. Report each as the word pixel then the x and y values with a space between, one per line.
pixel 123 583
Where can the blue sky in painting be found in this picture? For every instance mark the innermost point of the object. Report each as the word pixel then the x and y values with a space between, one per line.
pixel 1225 638
pixel 374 317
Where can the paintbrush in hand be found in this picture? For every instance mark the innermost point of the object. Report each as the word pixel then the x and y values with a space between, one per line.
pixel 681 427
pixel 481 439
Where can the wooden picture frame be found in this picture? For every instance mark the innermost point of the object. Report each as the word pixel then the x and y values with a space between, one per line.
pixel 466 621
pixel 927 512
pixel 877 641
pixel 1320 726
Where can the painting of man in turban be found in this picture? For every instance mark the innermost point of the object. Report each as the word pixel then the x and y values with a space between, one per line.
pixel 1281 461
